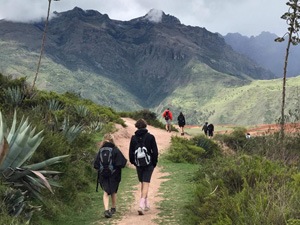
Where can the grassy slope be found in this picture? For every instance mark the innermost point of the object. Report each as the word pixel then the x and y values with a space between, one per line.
pixel 60 79
pixel 221 98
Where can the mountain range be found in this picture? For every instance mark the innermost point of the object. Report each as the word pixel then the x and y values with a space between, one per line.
pixel 147 62
pixel 266 52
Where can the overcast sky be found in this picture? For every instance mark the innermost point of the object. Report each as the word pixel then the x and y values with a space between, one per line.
pixel 247 17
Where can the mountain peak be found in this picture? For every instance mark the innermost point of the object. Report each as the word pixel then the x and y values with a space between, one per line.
pixel 158 16
pixel 80 13
pixel 154 15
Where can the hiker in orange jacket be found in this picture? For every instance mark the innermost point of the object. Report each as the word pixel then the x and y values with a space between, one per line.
pixel 167 115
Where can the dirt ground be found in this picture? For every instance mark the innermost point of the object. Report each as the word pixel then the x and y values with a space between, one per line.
pixel 271 128
pixel 163 139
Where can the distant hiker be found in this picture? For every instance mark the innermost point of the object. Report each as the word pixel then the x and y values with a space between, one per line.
pixel 109 162
pixel 181 122
pixel 248 136
pixel 204 128
pixel 167 115
pixel 210 130
pixel 143 153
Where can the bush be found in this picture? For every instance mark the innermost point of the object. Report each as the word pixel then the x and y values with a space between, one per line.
pixel 150 117
pixel 243 189
pixel 184 151
pixel 235 140
pixel 211 148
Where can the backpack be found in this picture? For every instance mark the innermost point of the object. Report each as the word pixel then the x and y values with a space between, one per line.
pixel 141 154
pixel 106 164
pixel 167 116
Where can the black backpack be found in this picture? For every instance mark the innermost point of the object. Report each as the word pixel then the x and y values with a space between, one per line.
pixel 141 154
pixel 106 162
pixel 167 116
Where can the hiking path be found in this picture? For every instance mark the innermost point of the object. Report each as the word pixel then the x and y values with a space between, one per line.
pixel 163 139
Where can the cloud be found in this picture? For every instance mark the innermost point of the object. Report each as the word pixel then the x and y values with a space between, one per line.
pixel 248 17
pixel 154 15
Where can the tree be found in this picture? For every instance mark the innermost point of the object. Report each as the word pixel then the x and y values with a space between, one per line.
pixel 42 46
pixel 292 17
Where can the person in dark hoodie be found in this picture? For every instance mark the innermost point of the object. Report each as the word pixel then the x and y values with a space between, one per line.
pixel 181 122
pixel 144 173
pixel 111 183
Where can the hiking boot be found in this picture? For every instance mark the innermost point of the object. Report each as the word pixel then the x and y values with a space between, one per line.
pixel 107 214
pixel 182 134
pixel 113 210
pixel 147 208
pixel 141 211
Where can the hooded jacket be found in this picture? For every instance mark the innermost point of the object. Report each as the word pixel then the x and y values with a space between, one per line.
pixel 150 144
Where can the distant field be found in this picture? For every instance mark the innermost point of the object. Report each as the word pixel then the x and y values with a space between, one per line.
pixel 196 130
pixel 253 130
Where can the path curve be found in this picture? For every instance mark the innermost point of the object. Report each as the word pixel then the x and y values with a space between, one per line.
pixel 163 139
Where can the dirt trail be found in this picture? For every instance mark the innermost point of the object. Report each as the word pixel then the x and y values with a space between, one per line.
pixel 122 139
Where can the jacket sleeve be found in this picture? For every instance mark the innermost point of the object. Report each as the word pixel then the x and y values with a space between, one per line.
pixel 154 149
pixel 131 150
pixel 119 159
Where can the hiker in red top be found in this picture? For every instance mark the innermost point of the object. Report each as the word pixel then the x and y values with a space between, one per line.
pixel 167 115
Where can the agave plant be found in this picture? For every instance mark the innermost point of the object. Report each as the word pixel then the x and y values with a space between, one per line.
pixel 14 96
pixel 16 147
pixel 55 105
pixel 71 132
pixel 81 110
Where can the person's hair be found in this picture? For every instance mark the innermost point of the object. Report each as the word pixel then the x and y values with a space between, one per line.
pixel 141 123
pixel 108 138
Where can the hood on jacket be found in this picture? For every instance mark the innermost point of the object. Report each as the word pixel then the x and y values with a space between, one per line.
pixel 141 132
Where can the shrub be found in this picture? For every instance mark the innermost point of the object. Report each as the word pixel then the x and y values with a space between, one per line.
pixel 235 140
pixel 211 148
pixel 243 189
pixel 183 150
pixel 147 115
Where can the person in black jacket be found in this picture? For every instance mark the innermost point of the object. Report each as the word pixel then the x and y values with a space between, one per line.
pixel 210 130
pixel 144 173
pixel 204 128
pixel 110 184
pixel 181 122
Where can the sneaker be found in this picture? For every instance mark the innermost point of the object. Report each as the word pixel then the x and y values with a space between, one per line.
pixel 107 214
pixel 147 207
pixel 141 211
pixel 113 210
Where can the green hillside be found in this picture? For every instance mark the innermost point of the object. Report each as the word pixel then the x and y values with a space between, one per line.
pixel 203 94
pixel 56 77
pixel 224 99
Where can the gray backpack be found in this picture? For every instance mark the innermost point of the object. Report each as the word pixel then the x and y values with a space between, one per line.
pixel 106 162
